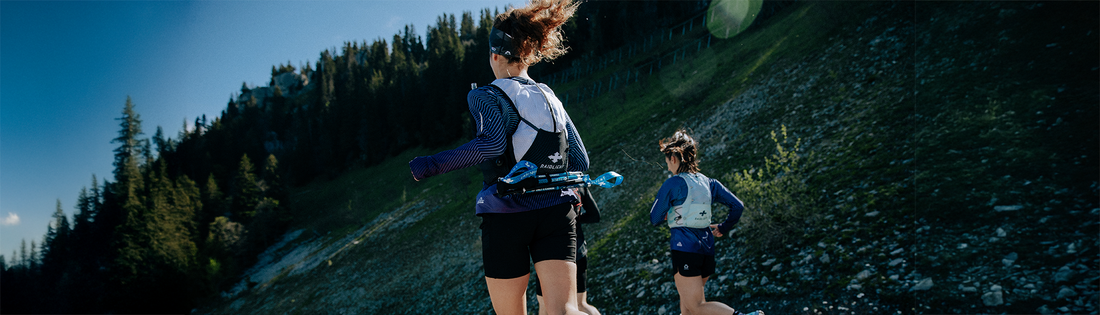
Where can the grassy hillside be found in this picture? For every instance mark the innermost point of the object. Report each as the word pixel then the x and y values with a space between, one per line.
pixel 893 157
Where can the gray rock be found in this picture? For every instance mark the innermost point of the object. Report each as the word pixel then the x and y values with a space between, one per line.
pixel 764 281
pixel 1064 274
pixel 769 262
pixel 863 275
pixel 896 261
pixel 1007 208
pixel 1010 259
pixel 1001 232
pixel 1045 310
pixel 1066 292
pixel 993 298
pixel 923 285
pixel 777 267
pixel 969 289
pixel 824 258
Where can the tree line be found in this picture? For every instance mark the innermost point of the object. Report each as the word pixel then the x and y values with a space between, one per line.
pixel 181 218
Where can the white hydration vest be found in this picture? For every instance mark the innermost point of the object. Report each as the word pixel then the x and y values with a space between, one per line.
pixel 695 212
pixel 541 109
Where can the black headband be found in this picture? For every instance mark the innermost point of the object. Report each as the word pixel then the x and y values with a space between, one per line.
pixel 500 43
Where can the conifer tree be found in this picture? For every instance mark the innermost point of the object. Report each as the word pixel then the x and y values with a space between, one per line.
pixel 160 142
pixel 467 30
pixel 56 245
pixel 246 194
pixel 445 56
pixel 35 258
pixel 24 259
pixel 212 199
pixel 129 239
pixel 129 144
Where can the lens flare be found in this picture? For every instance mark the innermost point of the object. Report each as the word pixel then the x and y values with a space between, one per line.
pixel 727 18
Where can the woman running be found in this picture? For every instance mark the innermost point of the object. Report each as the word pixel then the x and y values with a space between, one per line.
pixel 684 203
pixel 518 119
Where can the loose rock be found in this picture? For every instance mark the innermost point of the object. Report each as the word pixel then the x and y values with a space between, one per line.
pixel 1064 274
pixel 1010 259
pixel 923 285
pixel 1066 292
pixel 863 275
pixel 993 298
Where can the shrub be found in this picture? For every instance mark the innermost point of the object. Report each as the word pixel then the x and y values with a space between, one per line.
pixel 776 197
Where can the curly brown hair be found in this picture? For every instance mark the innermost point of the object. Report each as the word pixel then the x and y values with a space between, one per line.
pixel 681 147
pixel 536 29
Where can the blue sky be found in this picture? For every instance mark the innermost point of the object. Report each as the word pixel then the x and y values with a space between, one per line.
pixel 66 69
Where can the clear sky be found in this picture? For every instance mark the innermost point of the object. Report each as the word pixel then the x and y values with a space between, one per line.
pixel 66 69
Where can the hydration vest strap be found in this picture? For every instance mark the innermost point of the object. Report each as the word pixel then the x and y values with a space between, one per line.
pixel 550 106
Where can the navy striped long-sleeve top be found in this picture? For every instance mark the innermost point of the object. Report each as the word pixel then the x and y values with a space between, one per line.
pixel 490 142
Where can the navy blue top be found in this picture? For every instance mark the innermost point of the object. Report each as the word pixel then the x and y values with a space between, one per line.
pixel 490 142
pixel 673 193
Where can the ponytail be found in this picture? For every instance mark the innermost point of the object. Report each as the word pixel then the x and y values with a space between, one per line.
pixel 681 147
pixel 535 30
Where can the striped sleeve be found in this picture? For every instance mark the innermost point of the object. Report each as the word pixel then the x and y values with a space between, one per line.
pixel 489 142
pixel 578 157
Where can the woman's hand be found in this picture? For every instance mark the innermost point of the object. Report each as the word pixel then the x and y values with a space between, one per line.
pixel 714 230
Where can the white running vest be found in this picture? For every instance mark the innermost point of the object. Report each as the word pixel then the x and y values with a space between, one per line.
pixel 695 212
pixel 531 103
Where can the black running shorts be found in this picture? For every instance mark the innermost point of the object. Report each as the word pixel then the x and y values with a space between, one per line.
pixel 582 276
pixel 511 241
pixel 692 264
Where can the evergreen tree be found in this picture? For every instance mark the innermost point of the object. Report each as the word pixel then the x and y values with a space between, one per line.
pixel 413 44
pixel 130 146
pixel 56 245
pixel 246 193
pixel 467 30
pixel 160 142
pixel 212 200
pixel 35 258
pixel 445 102
pixel 24 259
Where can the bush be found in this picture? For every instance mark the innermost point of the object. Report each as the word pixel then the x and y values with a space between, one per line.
pixel 776 197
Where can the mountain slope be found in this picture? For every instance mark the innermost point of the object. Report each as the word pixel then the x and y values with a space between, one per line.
pixel 945 161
